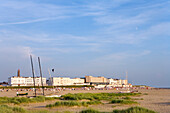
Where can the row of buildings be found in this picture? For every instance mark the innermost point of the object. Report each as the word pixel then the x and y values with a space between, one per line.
pixel 64 81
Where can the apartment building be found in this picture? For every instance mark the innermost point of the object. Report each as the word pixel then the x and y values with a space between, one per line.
pixel 29 81
pixel 25 81
pixel 62 81
pixel 16 81
pixel 118 83
pixel 96 80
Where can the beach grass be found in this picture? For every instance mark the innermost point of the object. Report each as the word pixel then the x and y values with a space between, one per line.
pixel 73 103
pixel 19 100
pixel 129 110
pixel 119 101
pixel 96 96
pixel 8 109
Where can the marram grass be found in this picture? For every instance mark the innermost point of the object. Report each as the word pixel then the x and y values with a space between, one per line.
pixel 7 109
pixel 96 96
pixel 119 101
pixel 129 110
pixel 73 103
pixel 19 100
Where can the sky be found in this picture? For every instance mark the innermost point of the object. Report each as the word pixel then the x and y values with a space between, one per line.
pixel 87 37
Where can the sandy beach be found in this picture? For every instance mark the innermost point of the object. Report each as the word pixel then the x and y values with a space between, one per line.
pixel 153 99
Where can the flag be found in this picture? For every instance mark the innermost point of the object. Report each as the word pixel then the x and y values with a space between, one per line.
pixel 52 70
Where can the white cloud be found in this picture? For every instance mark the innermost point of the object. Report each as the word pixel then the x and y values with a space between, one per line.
pixel 119 58
pixel 64 43
pixel 119 26
pixel 24 12
pixel 17 52
pixel 161 29
pixel 54 50
pixel 33 21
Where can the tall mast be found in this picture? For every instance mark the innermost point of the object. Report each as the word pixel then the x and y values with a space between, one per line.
pixel 33 73
pixel 41 74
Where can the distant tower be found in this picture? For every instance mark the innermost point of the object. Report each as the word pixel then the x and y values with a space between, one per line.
pixel 18 74
pixel 127 76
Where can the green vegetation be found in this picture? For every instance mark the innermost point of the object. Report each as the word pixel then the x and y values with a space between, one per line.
pixel 129 110
pixel 126 98
pixel 138 99
pixel 145 93
pixel 140 86
pixel 19 100
pixel 7 109
pixel 134 110
pixel 73 103
pixel 96 96
pixel 122 101
pixel 90 111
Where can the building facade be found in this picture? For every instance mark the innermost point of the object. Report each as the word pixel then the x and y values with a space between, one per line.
pixel 64 81
pixel 25 81
pixel 96 80
pixel 118 83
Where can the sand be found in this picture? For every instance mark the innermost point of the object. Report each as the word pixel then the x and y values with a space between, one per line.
pixel 156 99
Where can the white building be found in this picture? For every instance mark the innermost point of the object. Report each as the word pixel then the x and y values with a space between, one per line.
pixel 118 83
pixel 29 81
pixel 62 81
pixel 25 81
pixel 16 81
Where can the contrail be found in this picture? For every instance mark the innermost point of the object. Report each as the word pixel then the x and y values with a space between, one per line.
pixel 33 21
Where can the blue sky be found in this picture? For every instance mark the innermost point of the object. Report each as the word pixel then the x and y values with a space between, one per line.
pixel 85 37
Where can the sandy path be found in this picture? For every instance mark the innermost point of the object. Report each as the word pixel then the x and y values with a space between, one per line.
pixel 157 100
